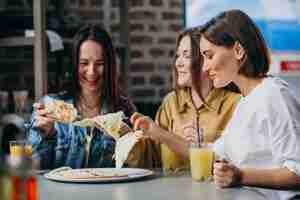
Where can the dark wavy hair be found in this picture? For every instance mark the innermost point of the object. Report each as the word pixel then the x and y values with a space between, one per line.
pixel 236 26
pixel 110 87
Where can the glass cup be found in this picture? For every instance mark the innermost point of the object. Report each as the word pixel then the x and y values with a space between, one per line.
pixel 20 98
pixel 170 160
pixel 19 148
pixel 201 159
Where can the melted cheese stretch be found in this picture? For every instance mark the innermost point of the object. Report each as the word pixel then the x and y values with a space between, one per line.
pixel 124 146
pixel 110 123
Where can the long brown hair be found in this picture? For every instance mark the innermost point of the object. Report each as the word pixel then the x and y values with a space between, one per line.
pixel 110 89
pixel 196 60
pixel 236 26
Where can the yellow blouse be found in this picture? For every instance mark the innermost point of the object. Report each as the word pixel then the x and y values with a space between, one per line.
pixel 178 110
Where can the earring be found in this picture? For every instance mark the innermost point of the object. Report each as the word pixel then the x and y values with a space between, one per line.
pixel 240 50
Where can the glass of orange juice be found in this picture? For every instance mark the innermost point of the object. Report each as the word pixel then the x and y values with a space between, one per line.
pixel 170 160
pixel 201 159
pixel 20 148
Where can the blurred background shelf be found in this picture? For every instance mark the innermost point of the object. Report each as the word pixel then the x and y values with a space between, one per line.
pixel 16 41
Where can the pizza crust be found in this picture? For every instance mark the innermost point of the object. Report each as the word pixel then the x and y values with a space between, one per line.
pixel 89 173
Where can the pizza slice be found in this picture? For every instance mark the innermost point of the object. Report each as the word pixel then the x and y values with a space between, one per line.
pixel 111 123
pixel 124 145
pixel 61 111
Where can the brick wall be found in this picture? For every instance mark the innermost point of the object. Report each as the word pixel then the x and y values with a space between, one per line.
pixel 154 25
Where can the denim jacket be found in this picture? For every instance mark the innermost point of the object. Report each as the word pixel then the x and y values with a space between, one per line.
pixel 67 146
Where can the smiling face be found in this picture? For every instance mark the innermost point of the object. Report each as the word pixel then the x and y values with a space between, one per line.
pixel 183 62
pixel 221 63
pixel 91 66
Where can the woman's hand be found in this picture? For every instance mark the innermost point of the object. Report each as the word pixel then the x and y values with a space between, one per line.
pixel 149 127
pixel 226 174
pixel 43 122
pixel 189 132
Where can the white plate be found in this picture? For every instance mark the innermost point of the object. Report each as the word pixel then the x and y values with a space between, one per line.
pixel 123 174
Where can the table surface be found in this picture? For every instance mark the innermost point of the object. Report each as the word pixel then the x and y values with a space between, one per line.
pixel 157 187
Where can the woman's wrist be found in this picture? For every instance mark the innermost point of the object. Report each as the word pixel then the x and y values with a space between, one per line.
pixel 238 176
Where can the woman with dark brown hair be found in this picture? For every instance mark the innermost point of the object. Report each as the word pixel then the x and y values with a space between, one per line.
pixel 193 101
pixel 93 90
pixel 261 145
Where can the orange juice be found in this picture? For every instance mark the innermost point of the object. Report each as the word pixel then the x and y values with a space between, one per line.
pixel 16 151
pixel 19 148
pixel 28 150
pixel 170 160
pixel 201 163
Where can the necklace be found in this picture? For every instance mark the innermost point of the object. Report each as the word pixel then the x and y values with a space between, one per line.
pixel 88 110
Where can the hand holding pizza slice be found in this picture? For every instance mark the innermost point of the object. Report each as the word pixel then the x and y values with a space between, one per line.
pixel 61 111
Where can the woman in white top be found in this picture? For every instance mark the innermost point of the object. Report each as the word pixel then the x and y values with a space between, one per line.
pixel 261 144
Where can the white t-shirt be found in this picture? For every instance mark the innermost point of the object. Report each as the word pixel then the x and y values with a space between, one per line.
pixel 264 131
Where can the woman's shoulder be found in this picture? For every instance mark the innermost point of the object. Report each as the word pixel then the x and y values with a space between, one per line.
pixel 169 97
pixel 275 88
pixel 230 96
pixel 174 99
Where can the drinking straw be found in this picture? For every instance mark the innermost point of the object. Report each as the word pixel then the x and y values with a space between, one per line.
pixel 199 136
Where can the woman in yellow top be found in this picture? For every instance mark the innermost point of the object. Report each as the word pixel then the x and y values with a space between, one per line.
pixel 194 100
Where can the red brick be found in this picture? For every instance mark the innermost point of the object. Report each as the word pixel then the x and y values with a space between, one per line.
pixel 157 80
pixel 96 3
pixel 165 67
pixel 136 27
pixel 88 14
pixel 134 3
pixel 143 93
pixel 141 39
pixel 155 27
pixel 142 15
pixel 175 27
pixel 142 67
pixel 167 40
pixel 172 53
pixel 137 80
pixel 171 16
pixel 136 54
pixel 156 2
pixel 156 52
pixel 175 3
